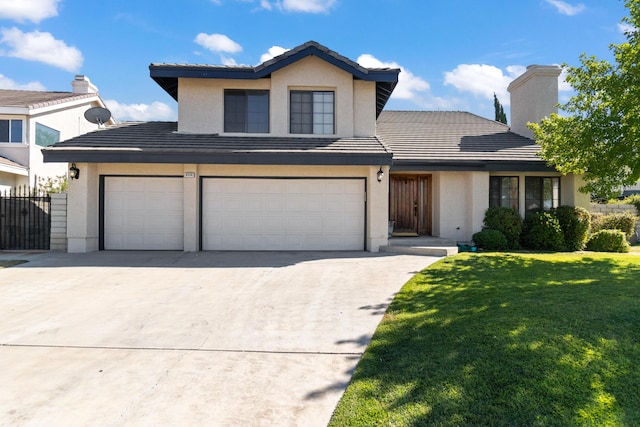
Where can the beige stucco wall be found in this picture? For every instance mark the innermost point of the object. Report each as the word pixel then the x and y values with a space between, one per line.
pixel 459 202
pixel 200 103
pixel 83 216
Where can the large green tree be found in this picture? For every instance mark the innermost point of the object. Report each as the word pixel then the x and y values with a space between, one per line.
pixel 599 136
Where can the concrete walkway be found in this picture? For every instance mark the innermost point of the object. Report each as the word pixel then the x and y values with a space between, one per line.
pixel 173 338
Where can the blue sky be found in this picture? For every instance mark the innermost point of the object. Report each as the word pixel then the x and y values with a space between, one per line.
pixel 454 54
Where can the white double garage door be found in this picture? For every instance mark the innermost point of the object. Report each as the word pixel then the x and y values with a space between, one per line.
pixel 148 213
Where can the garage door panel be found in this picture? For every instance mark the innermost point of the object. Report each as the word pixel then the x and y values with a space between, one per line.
pixel 285 214
pixel 143 213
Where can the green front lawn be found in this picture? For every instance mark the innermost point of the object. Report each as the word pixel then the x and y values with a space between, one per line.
pixel 506 340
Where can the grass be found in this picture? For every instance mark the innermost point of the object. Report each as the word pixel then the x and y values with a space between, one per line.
pixel 505 340
pixel 10 263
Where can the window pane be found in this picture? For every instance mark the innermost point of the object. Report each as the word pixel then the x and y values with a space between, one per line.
pixel 533 193
pixel 246 111
pixel 503 192
pixel 4 130
pixel 16 130
pixel 311 112
pixel 46 136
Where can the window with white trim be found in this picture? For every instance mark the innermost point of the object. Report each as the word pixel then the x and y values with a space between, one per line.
pixel 312 112
pixel 11 131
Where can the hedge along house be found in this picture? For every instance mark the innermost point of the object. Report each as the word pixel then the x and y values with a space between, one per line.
pixel 297 154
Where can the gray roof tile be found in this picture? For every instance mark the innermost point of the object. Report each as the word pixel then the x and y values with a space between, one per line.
pixel 38 99
pixel 432 136
pixel 159 141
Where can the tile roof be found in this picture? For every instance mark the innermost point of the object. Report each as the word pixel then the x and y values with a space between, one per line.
pixel 160 142
pixel 38 99
pixel 432 138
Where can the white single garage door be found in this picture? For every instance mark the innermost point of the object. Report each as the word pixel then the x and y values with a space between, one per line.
pixel 143 213
pixel 283 214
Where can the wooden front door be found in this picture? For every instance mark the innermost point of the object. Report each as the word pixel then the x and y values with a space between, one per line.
pixel 409 204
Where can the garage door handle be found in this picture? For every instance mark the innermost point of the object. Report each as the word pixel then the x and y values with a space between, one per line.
pixel 415 208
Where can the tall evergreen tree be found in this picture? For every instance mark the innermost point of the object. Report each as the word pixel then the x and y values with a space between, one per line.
pixel 500 115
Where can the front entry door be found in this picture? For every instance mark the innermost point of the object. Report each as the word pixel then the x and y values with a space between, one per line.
pixel 409 206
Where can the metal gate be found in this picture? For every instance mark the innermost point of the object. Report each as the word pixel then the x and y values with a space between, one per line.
pixel 25 220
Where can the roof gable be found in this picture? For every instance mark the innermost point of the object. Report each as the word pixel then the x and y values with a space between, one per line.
pixel 167 75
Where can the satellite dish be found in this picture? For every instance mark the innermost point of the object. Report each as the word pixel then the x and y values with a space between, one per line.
pixel 97 115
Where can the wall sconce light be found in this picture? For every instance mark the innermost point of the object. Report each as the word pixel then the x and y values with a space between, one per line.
pixel 74 172
pixel 380 174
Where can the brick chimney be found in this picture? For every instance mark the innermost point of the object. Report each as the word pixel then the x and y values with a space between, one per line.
pixel 534 96
pixel 82 84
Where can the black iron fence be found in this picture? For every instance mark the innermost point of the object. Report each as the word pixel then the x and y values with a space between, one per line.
pixel 25 220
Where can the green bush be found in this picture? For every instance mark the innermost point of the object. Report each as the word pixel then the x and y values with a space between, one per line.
pixel 575 223
pixel 490 240
pixel 542 232
pixel 608 241
pixel 625 222
pixel 506 220
pixel 633 200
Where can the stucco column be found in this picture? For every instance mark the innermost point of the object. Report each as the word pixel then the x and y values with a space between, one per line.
pixel 377 209
pixel 82 210
pixel 191 208
pixel 479 198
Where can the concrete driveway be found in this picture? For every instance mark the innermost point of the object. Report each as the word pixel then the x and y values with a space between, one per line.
pixel 173 338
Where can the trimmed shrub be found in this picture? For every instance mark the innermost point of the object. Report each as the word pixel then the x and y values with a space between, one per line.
pixel 575 223
pixel 608 241
pixel 625 222
pixel 542 232
pixel 507 221
pixel 490 240
pixel 633 200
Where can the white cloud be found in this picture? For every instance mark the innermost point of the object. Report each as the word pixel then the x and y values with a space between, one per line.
pixel 41 47
pixel 625 28
pixel 566 8
pixel 483 80
pixel 304 6
pixel 156 111
pixel 308 6
pixel 7 83
pixel 217 43
pixel 28 10
pixel 409 86
pixel 272 53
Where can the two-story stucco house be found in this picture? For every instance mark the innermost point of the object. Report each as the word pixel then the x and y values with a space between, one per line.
pixel 31 120
pixel 298 154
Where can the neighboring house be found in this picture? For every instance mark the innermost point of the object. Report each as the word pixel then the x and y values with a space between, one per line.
pixel 31 120
pixel 295 154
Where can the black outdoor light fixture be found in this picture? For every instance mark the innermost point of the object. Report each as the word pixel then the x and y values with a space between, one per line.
pixel 380 174
pixel 74 172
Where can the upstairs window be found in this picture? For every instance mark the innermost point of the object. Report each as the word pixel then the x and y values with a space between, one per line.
pixel 11 131
pixel 312 112
pixel 503 192
pixel 246 111
pixel 541 193
pixel 46 136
